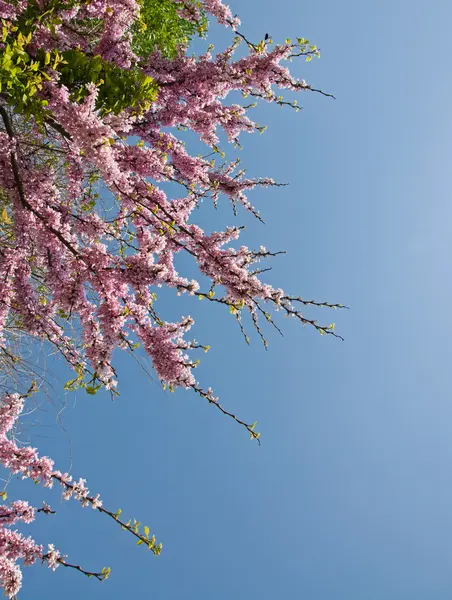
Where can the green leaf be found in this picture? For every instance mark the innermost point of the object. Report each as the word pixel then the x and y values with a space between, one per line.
pixel 106 572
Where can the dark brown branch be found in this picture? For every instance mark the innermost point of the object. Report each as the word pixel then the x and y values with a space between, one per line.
pixel 250 428
pixel 99 576
pixel 55 125
pixel 115 516
pixel 20 187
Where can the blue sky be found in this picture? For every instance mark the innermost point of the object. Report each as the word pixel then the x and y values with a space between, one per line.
pixel 349 496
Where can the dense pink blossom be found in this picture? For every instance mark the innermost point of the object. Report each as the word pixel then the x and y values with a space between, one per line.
pixel 76 251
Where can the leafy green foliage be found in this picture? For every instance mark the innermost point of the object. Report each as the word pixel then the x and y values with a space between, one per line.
pixel 134 527
pixel 21 76
pixel 160 27
pixel 118 88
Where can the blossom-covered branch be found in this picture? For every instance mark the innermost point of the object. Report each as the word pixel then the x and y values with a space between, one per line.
pixel 97 198
pixel 24 460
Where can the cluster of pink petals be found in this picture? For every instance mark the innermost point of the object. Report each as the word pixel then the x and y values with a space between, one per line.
pixel 13 545
pixel 11 11
pixel 191 11
pixel 75 252
pixel 24 460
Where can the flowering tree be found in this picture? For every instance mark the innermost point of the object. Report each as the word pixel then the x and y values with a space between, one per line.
pixel 91 102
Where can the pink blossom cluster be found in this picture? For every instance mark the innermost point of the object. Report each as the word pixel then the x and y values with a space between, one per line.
pixel 24 460
pixel 76 253
pixel 10 10
pixel 13 545
pixel 191 11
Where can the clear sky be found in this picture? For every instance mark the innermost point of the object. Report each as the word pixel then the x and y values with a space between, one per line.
pixel 350 494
